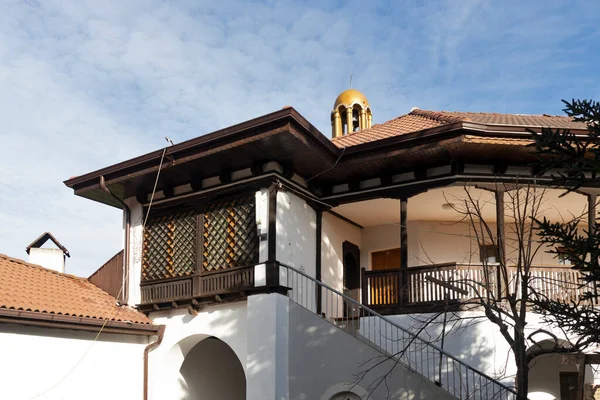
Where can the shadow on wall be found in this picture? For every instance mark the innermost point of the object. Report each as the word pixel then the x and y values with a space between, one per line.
pixel 468 336
pixel 212 371
pixel 190 344
pixel 325 360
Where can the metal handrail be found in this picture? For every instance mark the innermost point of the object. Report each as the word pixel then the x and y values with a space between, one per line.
pixel 391 339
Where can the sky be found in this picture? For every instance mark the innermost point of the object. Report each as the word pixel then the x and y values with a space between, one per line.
pixel 86 84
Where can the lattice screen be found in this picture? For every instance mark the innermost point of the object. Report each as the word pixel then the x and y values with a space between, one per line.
pixel 230 238
pixel 169 246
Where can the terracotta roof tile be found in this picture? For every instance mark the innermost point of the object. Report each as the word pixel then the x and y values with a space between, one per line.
pixel 29 287
pixel 404 124
pixel 418 120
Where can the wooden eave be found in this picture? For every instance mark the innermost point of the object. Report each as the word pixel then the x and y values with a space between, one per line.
pixel 289 139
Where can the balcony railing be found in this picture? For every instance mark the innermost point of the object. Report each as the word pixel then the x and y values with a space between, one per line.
pixel 208 284
pixel 455 283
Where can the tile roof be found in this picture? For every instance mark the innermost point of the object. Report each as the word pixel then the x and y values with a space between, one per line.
pixel 418 120
pixel 29 287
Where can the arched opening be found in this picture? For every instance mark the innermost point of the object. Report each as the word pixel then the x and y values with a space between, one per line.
pixel 556 375
pixel 212 371
pixel 345 396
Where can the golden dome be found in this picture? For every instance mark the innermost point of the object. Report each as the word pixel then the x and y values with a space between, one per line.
pixel 350 97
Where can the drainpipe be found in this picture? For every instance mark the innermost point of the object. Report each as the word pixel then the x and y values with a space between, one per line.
pixel 126 246
pixel 160 334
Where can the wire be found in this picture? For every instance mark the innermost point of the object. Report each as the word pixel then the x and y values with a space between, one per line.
pixel 76 364
pixel 155 184
pixel 106 320
pixel 330 168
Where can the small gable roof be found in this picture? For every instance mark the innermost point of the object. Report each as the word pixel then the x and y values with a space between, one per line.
pixel 44 237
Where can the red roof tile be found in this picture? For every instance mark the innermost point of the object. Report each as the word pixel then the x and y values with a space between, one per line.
pixel 29 287
pixel 418 120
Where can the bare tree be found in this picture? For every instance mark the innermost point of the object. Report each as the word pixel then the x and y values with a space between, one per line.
pixel 505 286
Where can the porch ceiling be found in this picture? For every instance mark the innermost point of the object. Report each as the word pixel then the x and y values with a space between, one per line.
pixel 431 206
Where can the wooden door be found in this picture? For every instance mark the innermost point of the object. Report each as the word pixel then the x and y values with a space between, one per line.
pixel 387 259
pixel 385 286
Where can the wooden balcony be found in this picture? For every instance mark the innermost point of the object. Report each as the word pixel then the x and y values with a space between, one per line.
pixel 433 287
pixel 206 287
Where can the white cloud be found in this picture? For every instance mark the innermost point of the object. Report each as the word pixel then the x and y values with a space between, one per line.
pixel 87 84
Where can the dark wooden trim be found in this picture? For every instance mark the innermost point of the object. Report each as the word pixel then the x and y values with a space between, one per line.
pixel 348 220
pixel 592 198
pixel 404 284
pixel 199 242
pixel 272 230
pixel 235 134
pixel 31 318
pixel 319 234
pixel 500 233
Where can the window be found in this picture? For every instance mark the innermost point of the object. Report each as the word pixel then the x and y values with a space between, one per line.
pixel 563 257
pixel 183 243
pixel 169 246
pixel 488 254
pixel 229 234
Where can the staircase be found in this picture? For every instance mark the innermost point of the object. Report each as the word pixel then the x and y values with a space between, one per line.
pixel 391 340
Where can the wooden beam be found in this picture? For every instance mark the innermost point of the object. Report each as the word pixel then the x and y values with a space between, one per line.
pixel 446 285
pixel 319 232
pixel 404 297
pixel 348 220
pixel 592 199
pixel 500 233
pixel 272 230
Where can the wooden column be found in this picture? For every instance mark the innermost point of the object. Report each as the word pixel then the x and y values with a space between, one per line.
pixel 272 230
pixel 500 239
pixel 591 212
pixel 319 230
pixel 404 286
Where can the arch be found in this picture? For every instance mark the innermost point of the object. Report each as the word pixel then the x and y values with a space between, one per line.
pixel 342 389
pixel 212 371
pixel 545 370
pixel 176 374
pixel 345 396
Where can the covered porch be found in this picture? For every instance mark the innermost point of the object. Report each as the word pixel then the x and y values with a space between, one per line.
pixel 420 254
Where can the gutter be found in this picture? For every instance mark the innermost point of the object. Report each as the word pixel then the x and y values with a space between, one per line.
pixel 160 334
pixel 126 246
pixel 58 321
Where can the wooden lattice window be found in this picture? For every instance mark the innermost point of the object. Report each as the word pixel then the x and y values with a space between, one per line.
pixel 169 246
pixel 229 237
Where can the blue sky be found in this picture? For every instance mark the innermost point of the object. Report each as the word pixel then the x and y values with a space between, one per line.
pixel 87 84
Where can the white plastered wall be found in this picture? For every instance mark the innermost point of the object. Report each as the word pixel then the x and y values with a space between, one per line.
pixel 136 241
pixel 479 343
pixel 434 242
pixel 296 233
pixel 335 232
pixel 256 331
pixel 227 322
pixel 63 364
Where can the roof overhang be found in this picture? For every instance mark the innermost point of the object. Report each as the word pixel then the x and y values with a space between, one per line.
pixel 283 136
pixel 44 320
pixel 290 140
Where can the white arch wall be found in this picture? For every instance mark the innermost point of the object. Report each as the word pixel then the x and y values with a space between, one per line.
pixel 227 322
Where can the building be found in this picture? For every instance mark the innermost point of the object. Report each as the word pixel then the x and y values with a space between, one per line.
pixel 287 265
pixel 61 337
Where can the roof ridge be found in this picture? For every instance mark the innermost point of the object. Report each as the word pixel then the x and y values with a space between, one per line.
pixel 438 116
pixel 500 113
pixel 37 266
